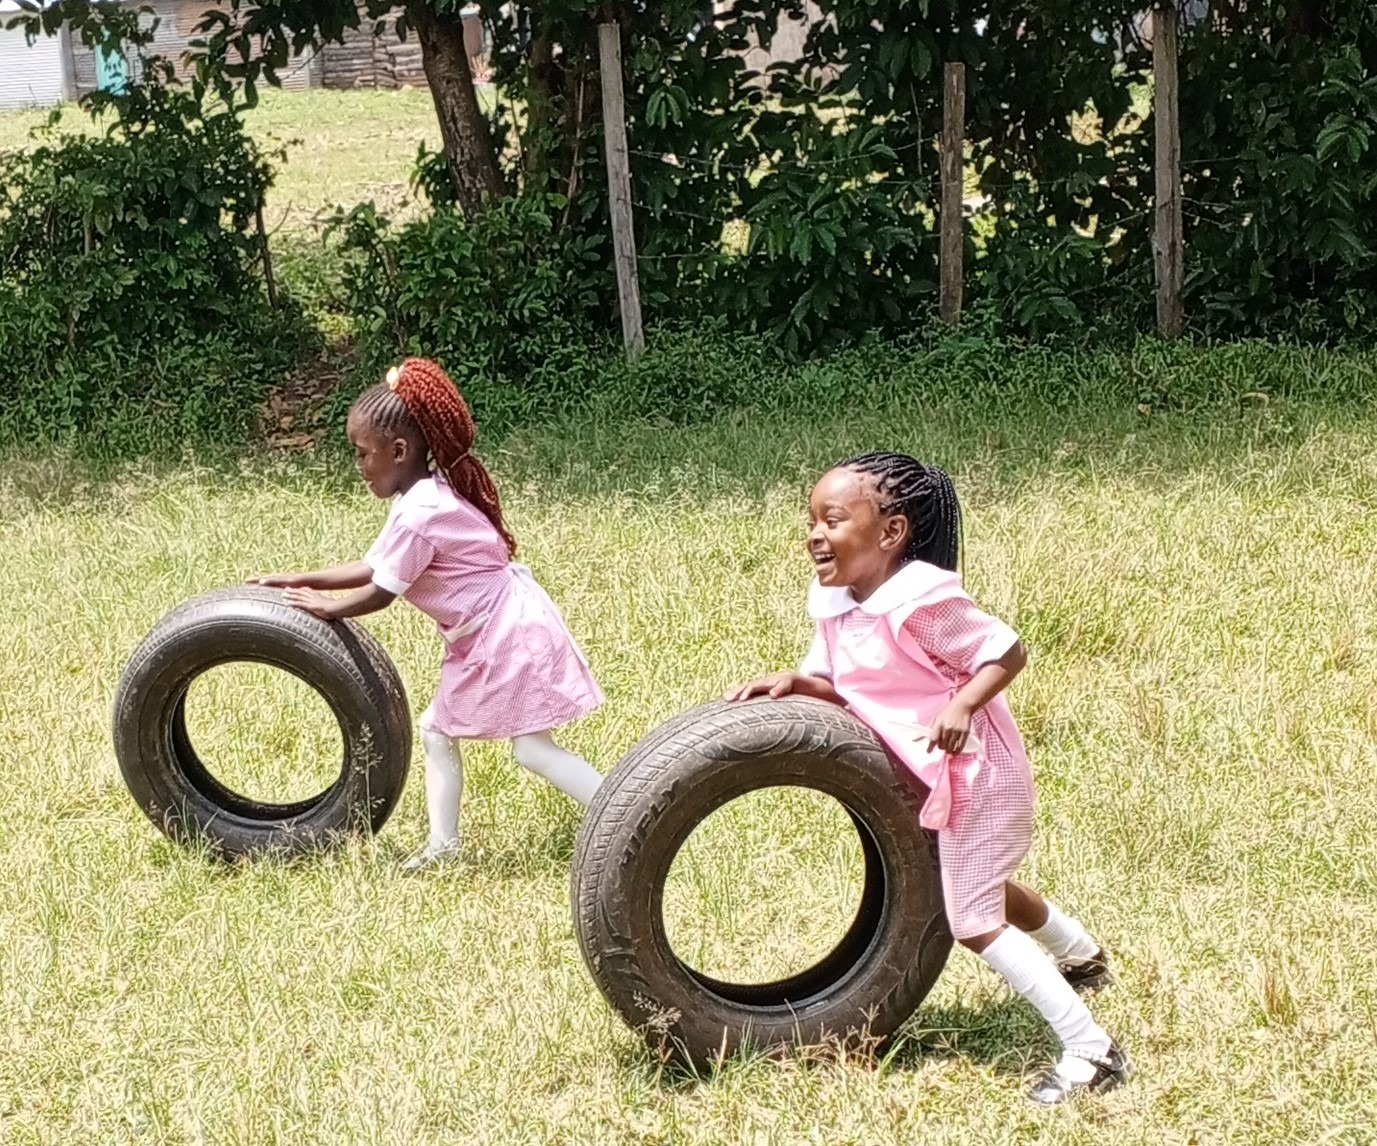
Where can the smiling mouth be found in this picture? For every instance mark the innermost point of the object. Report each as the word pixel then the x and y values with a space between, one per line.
pixel 821 559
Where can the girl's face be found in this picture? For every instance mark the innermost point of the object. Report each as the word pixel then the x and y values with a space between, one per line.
pixel 387 464
pixel 853 545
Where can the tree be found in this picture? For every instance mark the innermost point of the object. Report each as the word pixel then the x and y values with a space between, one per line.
pixel 545 59
pixel 245 42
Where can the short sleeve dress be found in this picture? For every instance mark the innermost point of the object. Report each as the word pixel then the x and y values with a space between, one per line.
pixel 897 659
pixel 511 666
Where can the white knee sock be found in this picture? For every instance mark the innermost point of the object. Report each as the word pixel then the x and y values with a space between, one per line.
pixel 444 787
pixel 1063 937
pixel 1033 975
pixel 571 774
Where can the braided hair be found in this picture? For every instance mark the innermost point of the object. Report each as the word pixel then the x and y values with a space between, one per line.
pixel 419 400
pixel 925 495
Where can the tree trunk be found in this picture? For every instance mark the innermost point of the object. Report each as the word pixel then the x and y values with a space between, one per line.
pixel 468 142
pixel 541 84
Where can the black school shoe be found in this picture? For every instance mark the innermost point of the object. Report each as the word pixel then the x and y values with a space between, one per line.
pixel 1087 975
pixel 1113 1069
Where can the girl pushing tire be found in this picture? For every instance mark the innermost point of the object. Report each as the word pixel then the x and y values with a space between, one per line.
pixel 511 669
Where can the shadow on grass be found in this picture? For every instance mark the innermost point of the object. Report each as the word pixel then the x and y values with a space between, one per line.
pixel 991 447
pixel 1002 1036
pixel 542 852
pixel 542 849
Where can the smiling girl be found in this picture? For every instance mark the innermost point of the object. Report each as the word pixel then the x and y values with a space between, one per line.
pixel 901 644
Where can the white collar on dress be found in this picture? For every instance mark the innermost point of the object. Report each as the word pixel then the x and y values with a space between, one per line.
pixel 906 587
pixel 425 494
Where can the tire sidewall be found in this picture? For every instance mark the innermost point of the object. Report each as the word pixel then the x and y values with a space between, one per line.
pixel 651 804
pixel 348 669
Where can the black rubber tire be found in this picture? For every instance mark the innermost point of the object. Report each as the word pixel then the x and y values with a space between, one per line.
pixel 340 660
pixel 675 778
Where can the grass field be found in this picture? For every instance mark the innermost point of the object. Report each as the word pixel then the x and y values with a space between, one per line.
pixel 1197 595
pixel 342 147
pixel 1198 598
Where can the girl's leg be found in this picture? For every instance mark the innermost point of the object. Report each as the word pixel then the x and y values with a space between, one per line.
pixel 1025 908
pixel 444 794
pixel 1080 958
pixel 571 774
pixel 1033 975
pixel 985 839
pixel 1089 1058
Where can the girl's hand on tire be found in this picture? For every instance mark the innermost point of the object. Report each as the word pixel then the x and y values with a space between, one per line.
pixel 312 601
pixel 282 580
pixel 777 684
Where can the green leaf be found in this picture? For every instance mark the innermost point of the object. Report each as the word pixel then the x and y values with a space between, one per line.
pixel 921 59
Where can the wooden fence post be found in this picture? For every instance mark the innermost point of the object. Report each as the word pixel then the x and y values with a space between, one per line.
pixel 268 278
pixel 953 191
pixel 1168 241
pixel 619 188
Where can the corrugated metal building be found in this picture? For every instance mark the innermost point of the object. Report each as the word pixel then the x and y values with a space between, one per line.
pixel 175 28
pixel 34 75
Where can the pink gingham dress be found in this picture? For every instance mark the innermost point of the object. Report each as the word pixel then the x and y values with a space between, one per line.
pixel 511 666
pixel 897 659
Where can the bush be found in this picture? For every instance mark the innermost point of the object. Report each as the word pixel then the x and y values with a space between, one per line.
pixel 131 288
pixel 1281 183
pixel 498 297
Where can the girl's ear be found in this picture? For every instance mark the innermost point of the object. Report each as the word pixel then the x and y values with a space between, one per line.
pixel 401 450
pixel 894 533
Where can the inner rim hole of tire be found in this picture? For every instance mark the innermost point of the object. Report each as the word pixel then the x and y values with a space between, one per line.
pixel 766 886
pixel 263 733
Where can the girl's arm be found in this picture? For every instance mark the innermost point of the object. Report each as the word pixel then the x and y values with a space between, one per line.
pixel 953 723
pixel 783 683
pixel 352 576
pixel 368 599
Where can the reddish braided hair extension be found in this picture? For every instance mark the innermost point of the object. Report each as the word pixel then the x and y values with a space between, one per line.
pixel 445 420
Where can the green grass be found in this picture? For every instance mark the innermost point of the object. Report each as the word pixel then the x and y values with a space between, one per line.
pixel 1197 592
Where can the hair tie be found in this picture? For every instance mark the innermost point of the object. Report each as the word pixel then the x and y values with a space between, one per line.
pixel 394 376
